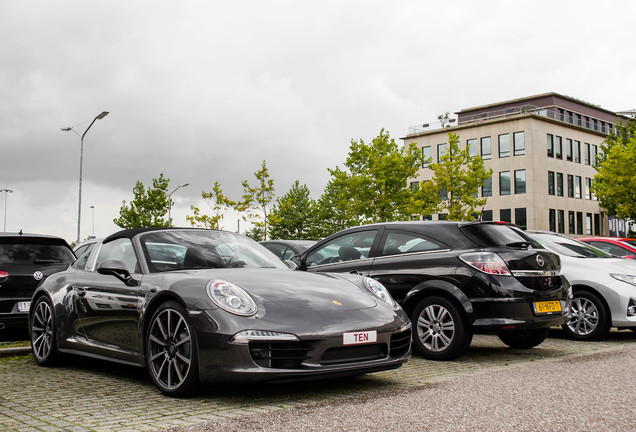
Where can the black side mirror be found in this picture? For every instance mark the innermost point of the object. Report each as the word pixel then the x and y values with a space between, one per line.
pixel 115 267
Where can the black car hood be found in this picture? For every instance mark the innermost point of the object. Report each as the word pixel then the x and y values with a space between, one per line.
pixel 295 290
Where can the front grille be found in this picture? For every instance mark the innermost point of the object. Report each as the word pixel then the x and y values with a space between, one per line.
pixel 400 343
pixel 279 355
pixel 353 354
pixel 541 283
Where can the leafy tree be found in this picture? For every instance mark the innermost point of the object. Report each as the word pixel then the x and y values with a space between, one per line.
pixel 148 207
pixel 217 202
pixel 256 200
pixel 331 213
pixel 456 180
pixel 293 216
pixel 615 181
pixel 373 187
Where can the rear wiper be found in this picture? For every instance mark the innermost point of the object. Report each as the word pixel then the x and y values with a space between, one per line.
pixel 520 244
pixel 46 261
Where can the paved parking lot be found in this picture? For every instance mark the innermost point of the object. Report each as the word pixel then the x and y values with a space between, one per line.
pixel 89 395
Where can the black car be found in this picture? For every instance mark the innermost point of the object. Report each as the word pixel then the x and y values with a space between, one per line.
pixel 203 305
pixel 285 249
pixel 25 260
pixel 454 279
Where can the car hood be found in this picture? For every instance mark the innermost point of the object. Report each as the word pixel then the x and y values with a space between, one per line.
pixel 295 290
pixel 598 265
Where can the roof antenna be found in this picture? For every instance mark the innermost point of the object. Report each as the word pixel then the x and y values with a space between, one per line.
pixel 20 233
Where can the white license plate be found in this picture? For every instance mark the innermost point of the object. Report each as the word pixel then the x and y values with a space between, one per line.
pixel 24 306
pixel 359 337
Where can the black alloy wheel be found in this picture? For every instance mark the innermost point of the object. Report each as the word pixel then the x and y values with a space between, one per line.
pixel 439 329
pixel 171 351
pixel 589 318
pixel 43 332
pixel 525 339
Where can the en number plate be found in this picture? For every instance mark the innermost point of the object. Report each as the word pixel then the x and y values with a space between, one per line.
pixel 543 307
pixel 24 306
pixel 359 337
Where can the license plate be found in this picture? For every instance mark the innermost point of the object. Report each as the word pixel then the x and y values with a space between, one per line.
pixel 543 307
pixel 359 337
pixel 24 306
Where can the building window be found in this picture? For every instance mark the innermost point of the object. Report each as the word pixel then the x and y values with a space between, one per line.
pixel 505 215
pixel 559 184
pixel 415 186
pixel 521 219
pixel 561 221
pixel 587 154
pixel 486 215
pixel 473 148
pixel 550 145
pixel 504 145
pixel 552 219
pixel 579 122
pixel 550 182
pixel 594 154
pixel 426 156
pixel 597 224
pixel 570 186
pixel 568 149
pixel 571 223
pixel 486 189
pixel 520 181
pixel 579 223
pixel 558 147
pixel 588 188
pixel 486 148
pixel 441 151
pixel 577 151
pixel 577 187
pixel 504 183
pixel 519 139
pixel 588 224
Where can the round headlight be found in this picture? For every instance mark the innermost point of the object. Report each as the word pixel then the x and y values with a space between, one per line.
pixel 379 290
pixel 231 298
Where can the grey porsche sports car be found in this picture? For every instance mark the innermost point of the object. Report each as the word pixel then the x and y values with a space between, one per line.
pixel 196 305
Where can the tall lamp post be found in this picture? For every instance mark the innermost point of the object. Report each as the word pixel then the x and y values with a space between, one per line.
pixel 6 198
pixel 93 212
pixel 79 205
pixel 169 205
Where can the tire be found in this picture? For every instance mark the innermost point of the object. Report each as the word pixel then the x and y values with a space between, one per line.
pixel 524 339
pixel 440 331
pixel 43 333
pixel 171 351
pixel 590 319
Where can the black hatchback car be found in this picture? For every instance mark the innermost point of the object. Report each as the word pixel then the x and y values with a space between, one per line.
pixel 25 260
pixel 454 279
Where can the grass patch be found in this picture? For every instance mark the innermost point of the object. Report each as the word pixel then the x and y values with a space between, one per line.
pixel 16 344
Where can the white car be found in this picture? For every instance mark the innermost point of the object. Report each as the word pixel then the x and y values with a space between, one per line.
pixel 604 286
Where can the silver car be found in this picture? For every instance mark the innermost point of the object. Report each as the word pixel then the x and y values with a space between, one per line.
pixel 604 286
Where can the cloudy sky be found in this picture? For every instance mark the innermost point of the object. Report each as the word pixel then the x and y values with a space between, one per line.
pixel 206 90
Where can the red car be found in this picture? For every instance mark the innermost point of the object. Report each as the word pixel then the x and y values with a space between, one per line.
pixel 619 246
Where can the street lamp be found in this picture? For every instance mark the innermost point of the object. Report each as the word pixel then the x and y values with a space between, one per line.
pixel 170 206
pixel 79 205
pixel 6 198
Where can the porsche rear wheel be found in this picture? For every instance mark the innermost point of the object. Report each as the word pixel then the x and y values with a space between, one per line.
pixel 171 351
pixel 43 332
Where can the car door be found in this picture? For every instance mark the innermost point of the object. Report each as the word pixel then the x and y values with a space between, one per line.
pixel 106 306
pixel 350 252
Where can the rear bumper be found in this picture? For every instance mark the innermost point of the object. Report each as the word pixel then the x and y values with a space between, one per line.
pixel 514 314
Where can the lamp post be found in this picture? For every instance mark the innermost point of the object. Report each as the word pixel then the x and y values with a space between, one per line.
pixel 93 214
pixel 6 198
pixel 169 205
pixel 79 204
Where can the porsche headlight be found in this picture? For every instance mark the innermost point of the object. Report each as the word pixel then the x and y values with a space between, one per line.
pixel 379 290
pixel 231 298
pixel 624 278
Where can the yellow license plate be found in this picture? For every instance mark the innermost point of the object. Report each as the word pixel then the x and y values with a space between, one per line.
pixel 547 306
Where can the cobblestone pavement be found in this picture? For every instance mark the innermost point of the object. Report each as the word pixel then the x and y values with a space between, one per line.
pixel 88 395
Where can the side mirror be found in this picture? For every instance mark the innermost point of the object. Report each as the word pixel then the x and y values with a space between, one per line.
pixel 296 261
pixel 291 264
pixel 115 267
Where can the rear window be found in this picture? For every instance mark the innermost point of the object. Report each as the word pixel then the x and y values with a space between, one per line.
pixel 491 235
pixel 34 251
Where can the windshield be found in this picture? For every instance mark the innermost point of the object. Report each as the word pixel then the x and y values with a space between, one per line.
pixel 569 247
pixel 34 251
pixel 494 234
pixel 200 249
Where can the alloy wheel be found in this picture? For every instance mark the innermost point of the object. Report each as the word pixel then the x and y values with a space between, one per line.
pixel 42 330
pixel 435 327
pixel 585 316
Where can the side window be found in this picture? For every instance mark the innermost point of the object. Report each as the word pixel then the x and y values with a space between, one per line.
pixel 82 254
pixel 122 250
pixel 348 247
pixel 401 242
pixel 278 250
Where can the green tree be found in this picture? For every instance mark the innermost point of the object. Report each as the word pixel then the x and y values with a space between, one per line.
pixel 293 216
pixel 255 202
pixel 615 181
pixel 454 187
pixel 218 203
pixel 148 207
pixel 331 213
pixel 373 187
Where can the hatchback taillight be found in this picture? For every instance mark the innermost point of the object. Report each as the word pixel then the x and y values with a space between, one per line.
pixel 3 274
pixel 486 262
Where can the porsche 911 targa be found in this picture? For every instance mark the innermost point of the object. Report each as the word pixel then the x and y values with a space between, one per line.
pixel 197 305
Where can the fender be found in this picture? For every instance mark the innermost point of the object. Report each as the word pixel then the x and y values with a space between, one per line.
pixel 437 287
